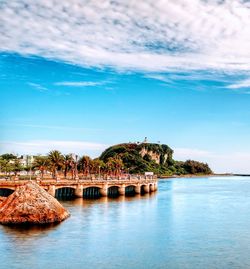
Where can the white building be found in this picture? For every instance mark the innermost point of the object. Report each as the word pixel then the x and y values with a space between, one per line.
pixel 27 160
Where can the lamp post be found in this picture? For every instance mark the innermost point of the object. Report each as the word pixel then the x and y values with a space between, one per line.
pixel 76 171
pixel 30 172
pixel 99 172
pixel 29 163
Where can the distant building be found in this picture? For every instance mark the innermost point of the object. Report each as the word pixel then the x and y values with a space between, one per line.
pixel 26 160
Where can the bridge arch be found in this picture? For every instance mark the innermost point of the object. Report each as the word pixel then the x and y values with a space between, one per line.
pixel 91 192
pixel 113 191
pixel 130 190
pixel 143 189
pixel 5 192
pixel 151 187
pixel 65 192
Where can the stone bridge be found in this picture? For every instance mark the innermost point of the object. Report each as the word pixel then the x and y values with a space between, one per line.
pixel 86 188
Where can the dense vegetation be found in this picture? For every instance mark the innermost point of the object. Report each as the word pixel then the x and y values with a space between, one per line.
pixel 116 160
pixel 139 158
pixel 56 164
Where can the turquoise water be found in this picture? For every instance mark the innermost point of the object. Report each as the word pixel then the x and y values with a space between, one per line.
pixel 188 223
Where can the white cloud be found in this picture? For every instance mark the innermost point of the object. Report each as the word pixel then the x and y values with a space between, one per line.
pixel 160 77
pixel 240 84
pixel 80 83
pixel 150 35
pixel 44 146
pixel 231 162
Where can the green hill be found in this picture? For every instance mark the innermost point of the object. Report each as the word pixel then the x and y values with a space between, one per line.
pixel 157 158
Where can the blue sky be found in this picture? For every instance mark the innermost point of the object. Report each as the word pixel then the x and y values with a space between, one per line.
pixel 74 80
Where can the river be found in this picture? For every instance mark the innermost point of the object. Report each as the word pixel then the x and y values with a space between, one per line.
pixel 188 223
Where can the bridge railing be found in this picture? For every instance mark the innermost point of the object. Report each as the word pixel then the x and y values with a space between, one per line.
pixel 137 179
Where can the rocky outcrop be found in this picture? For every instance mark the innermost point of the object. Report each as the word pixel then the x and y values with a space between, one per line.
pixel 141 157
pixel 30 204
pixel 153 155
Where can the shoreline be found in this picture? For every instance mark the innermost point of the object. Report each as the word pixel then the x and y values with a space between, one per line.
pixel 198 176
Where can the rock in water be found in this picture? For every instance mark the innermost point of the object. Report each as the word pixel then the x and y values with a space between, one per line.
pixel 2 199
pixel 31 204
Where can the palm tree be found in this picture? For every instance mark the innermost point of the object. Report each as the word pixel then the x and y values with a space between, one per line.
pixel 85 164
pixel 56 161
pixel 118 164
pixel 96 166
pixel 114 165
pixel 42 164
pixel 68 163
pixel 110 165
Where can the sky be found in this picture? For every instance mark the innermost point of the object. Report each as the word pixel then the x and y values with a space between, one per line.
pixel 79 76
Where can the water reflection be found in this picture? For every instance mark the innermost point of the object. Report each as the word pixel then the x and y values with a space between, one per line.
pixel 188 223
pixel 86 202
pixel 28 230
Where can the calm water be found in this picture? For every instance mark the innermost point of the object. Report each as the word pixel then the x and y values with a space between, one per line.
pixel 188 223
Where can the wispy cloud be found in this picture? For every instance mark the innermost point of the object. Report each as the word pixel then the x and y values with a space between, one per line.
pixel 44 146
pixel 133 35
pixel 160 77
pixel 239 85
pixel 52 127
pixel 187 153
pixel 80 83
pixel 38 87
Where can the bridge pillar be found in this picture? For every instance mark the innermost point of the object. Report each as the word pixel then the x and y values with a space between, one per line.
pixel 79 191
pixel 146 188
pixel 104 190
pixel 121 189
pixel 52 190
pixel 156 186
pixel 138 189
pixel 152 187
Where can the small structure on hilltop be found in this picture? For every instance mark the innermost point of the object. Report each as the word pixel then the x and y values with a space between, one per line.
pixel 31 204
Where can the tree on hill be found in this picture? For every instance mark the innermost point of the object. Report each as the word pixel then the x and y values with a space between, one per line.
pixel 194 167
pixel 140 158
pixel 8 156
